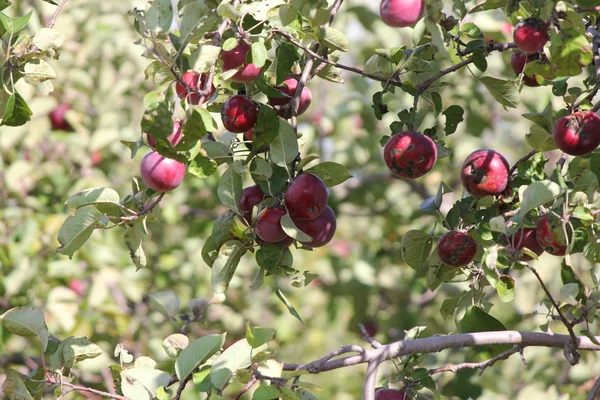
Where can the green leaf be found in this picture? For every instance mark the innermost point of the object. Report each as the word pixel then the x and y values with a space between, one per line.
pixel 477 320
pixel 16 112
pixel 537 194
pixel 134 146
pixel 174 344
pixel 302 280
pixel 287 303
pixel 257 336
pixel 230 188
pixel 230 254
pixel 196 19
pixel 434 203
pixel 330 172
pixel 75 350
pixel 266 129
pixel 259 54
pixel 288 14
pixel 292 230
pixel 15 25
pixel 93 196
pixel 333 38
pixel 143 383
pixel 284 147
pixel 198 125
pixel 416 248
pixel 157 120
pixel 159 17
pixel 197 353
pixel 287 56
pixel 569 51
pixel 27 321
pixel 202 166
pixel 219 152
pixel 133 240
pixel 450 305
pixel 236 357
pixel 203 58
pixel 166 302
pixel 454 116
pixel 77 229
pixel 268 257
pixel 37 71
pixel 14 386
pixel 540 139
pixel 505 286
pixel 504 92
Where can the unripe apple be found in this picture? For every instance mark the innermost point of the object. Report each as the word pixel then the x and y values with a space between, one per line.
pixel 456 249
pixel 160 173
pixel 525 238
pixel 306 197
pixel 410 154
pixel 531 35
pixel 239 114
pixel 289 88
pixel 268 225
pixel 58 120
pixel 401 13
pixel 321 229
pixel 235 58
pixel 484 172
pixel 518 61
pixel 191 79
pixel 175 136
pixel 550 235
pixel 578 134
pixel 391 394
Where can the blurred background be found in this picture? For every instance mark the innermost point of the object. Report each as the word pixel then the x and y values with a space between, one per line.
pixel 362 278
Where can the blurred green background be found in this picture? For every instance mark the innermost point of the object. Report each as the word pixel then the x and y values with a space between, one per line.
pixel 361 276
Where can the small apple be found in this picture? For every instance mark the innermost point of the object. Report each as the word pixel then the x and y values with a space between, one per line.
pixel 550 235
pixel 289 89
pixel 410 154
pixel 401 13
pixel 175 136
pixel 525 238
pixel 58 120
pixel 518 61
pixel 306 197
pixel 321 229
pixel 578 134
pixel 78 286
pixel 160 173
pixel 96 158
pixel 456 249
pixel 391 394
pixel 484 172
pixel 531 35
pixel 268 225
pixel 239 114
pixel 191 79
pixel 235 58
pixel 251 196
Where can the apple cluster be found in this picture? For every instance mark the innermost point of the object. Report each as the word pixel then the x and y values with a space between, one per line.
pixel 305 201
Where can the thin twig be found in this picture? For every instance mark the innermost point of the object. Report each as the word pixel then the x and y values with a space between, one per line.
pixel 90 390
pixel 594 391
pixel 56 12
pixel 182 386
pixel 246 388
pixel 482 366
pixel 521 160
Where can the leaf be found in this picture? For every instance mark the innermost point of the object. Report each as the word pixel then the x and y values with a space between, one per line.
pixel 416 248
pixel 27 321
pixel 257 336
pixel 287 303
pixel 143 383
pixel 477 320
pixel 540 139
pixel 198 125
pixel 504 92
pixel 268 257
pixel 287 56
pixel 330 172
pixel 133 241
pixel 174 344
pixel 236 357
pixel 159 17
pixel 284 147
pixel 259 54
pixel 13 26
pixel 537 194
pixel 454 116
pixel 37 71
pixel 157 120
pixel 203 58
pixel 300 281
pixel 134 146
pixel 333 38
pixel 434 203
pixel 166 302
pixel 218 152
pixel 505 286
pixel 230 254
pixel 202 166
pixel 93 196
pixel 196 19
pixel 230 188
pixel 197 353
pixel 77 229
pixel 46 39
pixel 16 111
pixel 75 350
pixel 569 291
pixel 292 230
pixel 14 386
pixel 449 305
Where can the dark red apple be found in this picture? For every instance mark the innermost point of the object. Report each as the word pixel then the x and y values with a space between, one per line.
pixel 550 235
pixel 485 172
pixel 321 229
pixel 239 114
pixel 531 35
pixel 578 134
pixel 518 61
pixel 401 13
pixel 251 196
pixel 235 58
pixel 456 249
pixel 191 79
pixel 268 225
pixel 391 394
pixel 175 136
pixel 160 173
pixel 410 154
pixel 306 197
pixel 289 88
pixel 58 120
pixel 525 238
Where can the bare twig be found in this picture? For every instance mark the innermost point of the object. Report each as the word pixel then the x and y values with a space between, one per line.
pixel 182 386
pixel 374 343
pixel 594 391
pixel 90 390
pixel 246 388
pixel 482 366
pixel 56 12
pixel 521 160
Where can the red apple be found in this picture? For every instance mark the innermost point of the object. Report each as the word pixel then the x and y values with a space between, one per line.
pixel 235 58
pixel 96 158
pixel 58 120
pixel 550 235
pixel 456 249
pixel 401 13
pixel 518 61
pixel 578 134
pixel 525 238
pixel 306 197
pixel 410 154
pixel 321 229
pixel 175 137
pixel 191 79
pixel 289 88
pixel 239 114
pixel 485 172
pixel 531 35
pixel 391 394
pixel 160 173
pixel 251 196
pixel 268 225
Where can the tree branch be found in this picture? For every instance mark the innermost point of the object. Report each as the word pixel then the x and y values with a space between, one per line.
pixel 521 160
pixel 56 12
pixel 482 366
pixel 594 391
pixel 370 380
